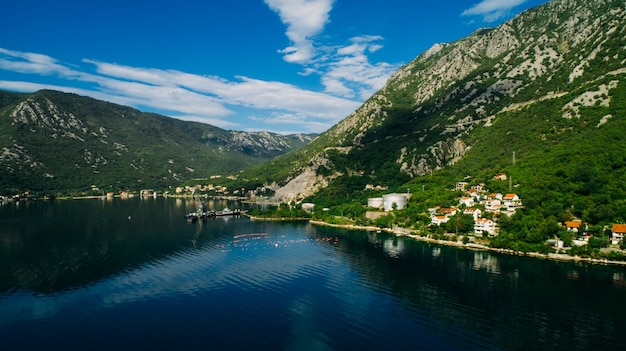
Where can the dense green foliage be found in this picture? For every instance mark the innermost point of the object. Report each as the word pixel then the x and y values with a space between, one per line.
pixel 557 131
pixel 82 143
pixel 282 211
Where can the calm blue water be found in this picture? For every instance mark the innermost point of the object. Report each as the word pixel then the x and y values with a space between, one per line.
pixel 133 274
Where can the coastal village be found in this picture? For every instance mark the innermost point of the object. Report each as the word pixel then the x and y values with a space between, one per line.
pixel 476 200
pixel 486 207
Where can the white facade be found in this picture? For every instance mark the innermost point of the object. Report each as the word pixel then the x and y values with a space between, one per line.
pixel 307 206
pixel 375 202
pixel 474 212
pixel 485 225
pixel 438 220
pixel 467 201
pixel 493 205
pixel 390 199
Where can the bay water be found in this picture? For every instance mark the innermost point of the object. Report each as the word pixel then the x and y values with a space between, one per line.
pixel 119 274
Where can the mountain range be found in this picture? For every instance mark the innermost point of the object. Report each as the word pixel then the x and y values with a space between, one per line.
pixel 541 98
pixel 54 142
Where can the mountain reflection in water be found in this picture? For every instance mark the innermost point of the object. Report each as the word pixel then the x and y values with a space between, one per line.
pixel 134 274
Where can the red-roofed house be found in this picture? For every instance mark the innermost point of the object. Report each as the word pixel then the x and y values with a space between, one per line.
pixel 438 220
pixel 448 212
pixel 617 233
pixel 494 196
pixel 467 201
pixel 493 205
pixel 511 202
pixel 573 226
pixel 499 176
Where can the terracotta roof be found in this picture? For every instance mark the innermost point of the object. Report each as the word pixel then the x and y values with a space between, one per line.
pixel 573 224
pixel 619 228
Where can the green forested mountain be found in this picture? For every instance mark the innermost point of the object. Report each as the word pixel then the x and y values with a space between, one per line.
pixel 541 98
pixel 57 142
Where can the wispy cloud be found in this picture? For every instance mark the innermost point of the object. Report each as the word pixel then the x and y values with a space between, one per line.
pixel 304 19
pixel 350 71
pixel 344 70
pixel 492 10
pixel 182 95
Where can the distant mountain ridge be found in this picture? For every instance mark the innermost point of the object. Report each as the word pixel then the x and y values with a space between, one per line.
pixel 57 141
pixel 548 82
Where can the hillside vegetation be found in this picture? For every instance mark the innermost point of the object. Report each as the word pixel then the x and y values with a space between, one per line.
pixel 53 143
pixel 541 98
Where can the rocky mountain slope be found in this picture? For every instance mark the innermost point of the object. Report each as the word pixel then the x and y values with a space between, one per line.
pixel 55 141
pixel 552 71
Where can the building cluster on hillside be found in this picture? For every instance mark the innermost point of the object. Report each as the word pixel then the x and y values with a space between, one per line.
pixel 194 189
pixel 375 187
pixel 475 201
pixel 580 232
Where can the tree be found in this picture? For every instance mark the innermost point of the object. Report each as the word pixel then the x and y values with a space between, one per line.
pixel 384 221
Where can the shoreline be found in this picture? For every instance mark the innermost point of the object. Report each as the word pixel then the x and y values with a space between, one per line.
pixel 471 246
pixel 477 247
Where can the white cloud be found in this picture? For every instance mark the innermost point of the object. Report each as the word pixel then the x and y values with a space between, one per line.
pixel 492 10
pixel 296 120
pixel 26 62
pixel 336 87
pixel 350 70
pixel 304 20
pixel 246 91
pixel 182 95
pixel 345 70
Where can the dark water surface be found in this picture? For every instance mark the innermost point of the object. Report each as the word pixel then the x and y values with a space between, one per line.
pixel 133 274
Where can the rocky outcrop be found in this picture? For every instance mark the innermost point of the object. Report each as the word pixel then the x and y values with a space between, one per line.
pixel 427 112
pixel 52 140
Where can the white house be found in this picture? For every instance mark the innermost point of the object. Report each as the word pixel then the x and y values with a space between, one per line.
pixel 478 187
pixel 474 212
pixel 499 176
pixel 482 225
pixel 438 220
pixel 496 196
pixel 573 226
pixel 461 186
pixel 433 210
pixel 511 202
pixel 617 233
pixel 467 201
pixel 448 212
pixel 493 205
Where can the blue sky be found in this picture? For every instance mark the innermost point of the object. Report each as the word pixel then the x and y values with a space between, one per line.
pixel 283 66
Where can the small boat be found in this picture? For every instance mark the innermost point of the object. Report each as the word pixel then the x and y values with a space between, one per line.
pixel 202 213
pixel 228 212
